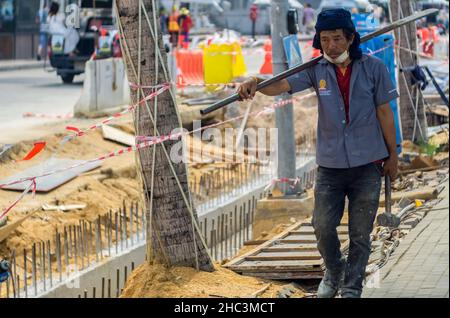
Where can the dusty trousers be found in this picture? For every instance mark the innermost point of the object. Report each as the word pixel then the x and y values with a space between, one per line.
pixel 361 185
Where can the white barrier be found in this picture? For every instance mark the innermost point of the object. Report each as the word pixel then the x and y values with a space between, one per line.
pixel 105 87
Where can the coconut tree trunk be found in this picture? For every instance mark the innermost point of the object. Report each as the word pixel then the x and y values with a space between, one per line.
pixel 172 238
pixel 412 129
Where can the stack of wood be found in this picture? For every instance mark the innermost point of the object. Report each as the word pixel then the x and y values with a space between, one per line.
pixel 292 254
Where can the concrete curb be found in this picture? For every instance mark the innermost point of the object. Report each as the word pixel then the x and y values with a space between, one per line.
pixel 17 67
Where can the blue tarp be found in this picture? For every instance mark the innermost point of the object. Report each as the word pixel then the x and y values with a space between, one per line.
pixel 383 45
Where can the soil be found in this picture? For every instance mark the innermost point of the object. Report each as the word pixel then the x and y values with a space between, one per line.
pixel 157 281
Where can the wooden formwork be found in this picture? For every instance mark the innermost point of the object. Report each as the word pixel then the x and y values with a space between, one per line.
pixel 292 254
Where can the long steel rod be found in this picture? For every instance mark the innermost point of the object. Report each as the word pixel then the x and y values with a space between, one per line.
pixel 235 97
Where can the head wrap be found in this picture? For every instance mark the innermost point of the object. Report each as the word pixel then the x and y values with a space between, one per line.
pixel 333 19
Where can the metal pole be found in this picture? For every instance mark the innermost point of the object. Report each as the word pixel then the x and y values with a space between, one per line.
pixel 284 116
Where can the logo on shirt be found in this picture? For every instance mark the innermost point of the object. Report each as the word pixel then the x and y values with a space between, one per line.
pixel 323 91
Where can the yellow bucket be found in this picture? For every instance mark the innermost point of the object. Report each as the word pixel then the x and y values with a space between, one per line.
pixel 223 62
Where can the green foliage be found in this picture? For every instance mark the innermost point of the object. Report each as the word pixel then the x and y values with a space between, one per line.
pixel 427 148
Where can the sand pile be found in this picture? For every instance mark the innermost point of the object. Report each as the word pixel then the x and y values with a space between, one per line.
pixel 156 281
pixel 99 190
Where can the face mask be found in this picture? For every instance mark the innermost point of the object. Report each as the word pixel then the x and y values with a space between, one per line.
pixel 339 60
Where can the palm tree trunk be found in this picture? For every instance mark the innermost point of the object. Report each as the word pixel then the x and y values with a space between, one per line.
pixel 172 237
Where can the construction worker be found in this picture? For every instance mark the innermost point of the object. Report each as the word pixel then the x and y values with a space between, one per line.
pixel 163 20
pixel 356 144
pixel 308 18
pixel 185 23
pixel 174 27
pixel 253 18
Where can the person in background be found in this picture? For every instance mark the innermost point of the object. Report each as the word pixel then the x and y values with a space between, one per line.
pixel 253 18
pixel 308 18
pixel 41 19
pixel 442 19
pixel 174 27
pixel 163 20
pixel 185 23
pixel 57 27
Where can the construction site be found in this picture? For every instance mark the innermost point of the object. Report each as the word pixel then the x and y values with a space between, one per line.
pixel 145 174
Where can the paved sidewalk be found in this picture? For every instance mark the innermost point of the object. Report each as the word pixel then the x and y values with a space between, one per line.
pixel 420 266
pixel 13 65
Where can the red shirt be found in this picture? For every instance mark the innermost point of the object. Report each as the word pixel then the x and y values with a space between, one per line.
pixel 253 13
pixel 344 86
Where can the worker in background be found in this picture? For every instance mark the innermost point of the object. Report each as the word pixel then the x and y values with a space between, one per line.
pixel 253 18
pixel 308 18
pixel 174 27
pixel 356 144
pixel 41 19
pixel 185 23
pixel 428 35
pixel 163 20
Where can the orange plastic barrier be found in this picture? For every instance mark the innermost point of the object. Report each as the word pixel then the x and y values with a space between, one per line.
pixel 190 66
pixel 315 52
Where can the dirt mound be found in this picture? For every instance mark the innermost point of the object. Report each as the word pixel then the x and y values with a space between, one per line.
pixel 157 281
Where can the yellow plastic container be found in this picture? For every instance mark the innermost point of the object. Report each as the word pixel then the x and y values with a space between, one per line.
pixel 223 62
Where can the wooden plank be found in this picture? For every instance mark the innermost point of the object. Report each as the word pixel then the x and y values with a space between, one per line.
pixel 310 237
pixel 343 223
pixel 255 251
pixel 424 193
pixel 257 242
pixel 314 253
pixel 305 241
pixel 117 135
pixel 280 264
pixel 290 248
pixel 309 230
pixel 285 276
pixel 48 183
pixel 288 256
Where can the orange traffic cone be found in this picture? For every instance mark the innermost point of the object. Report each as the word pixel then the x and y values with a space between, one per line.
pixel 267 66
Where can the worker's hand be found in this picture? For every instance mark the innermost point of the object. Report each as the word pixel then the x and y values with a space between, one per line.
pixel 247 89
pixel 390 166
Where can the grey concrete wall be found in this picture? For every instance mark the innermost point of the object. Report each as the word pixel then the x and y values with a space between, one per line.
pixel 91 278
pixel 75 285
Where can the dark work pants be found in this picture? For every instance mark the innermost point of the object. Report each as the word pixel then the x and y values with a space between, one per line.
pixel 254 29
pixel 361 185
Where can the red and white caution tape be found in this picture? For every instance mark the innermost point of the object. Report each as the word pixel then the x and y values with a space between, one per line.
pixel 292 182
pixel 234 53
pixel 102 158
pixel 31 187
pixel 81 132
pixel 48 116
pixel 380 50
pixel 180 85
pixel 444 59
